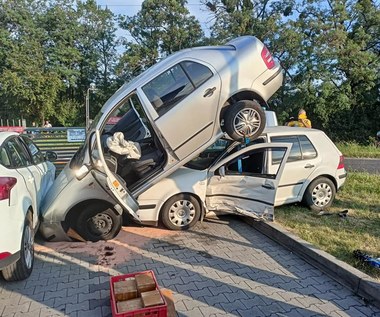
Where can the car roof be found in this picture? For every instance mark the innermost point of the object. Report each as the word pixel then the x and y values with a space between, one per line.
pixel 289 130
pixel 6 134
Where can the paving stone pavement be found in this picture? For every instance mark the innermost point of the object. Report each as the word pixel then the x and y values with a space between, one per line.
pixel 219 268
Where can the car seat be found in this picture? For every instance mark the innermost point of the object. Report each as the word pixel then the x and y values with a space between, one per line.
pixel 131 126
pixel 134 170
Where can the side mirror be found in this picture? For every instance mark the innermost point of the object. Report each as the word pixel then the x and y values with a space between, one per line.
pixel 51 156
pixel 222 171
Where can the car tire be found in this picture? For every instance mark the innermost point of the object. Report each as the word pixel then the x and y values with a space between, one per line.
pixel 98 222
pixel 320 194
pixel 244 116
pixel 180 212
pixel 22 269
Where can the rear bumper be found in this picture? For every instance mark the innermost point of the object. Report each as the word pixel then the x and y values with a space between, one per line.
pixel 9 260
pixel 341 178
pixel 268 82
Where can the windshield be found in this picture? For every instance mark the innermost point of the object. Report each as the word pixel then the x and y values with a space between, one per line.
pixel 208 156
pixel 94 122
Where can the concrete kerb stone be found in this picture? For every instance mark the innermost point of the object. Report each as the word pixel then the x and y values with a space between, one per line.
pixel 357 281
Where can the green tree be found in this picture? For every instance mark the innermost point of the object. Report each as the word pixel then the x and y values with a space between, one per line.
pixel 98 48
pixel 27 86
pixel 160 28
pixel 337 74
pixel 50 52
pixel 329 50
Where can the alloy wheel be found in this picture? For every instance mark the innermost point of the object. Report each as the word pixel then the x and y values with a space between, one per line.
pixel 247 122
pixel 28 246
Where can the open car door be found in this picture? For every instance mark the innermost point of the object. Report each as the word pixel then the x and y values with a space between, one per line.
pixel 246 181
pixel 111 182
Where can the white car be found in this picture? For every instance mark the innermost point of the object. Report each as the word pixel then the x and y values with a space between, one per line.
pixel 25 177
pixel 215 181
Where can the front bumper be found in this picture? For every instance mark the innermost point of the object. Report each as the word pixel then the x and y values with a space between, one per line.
pixel 53 231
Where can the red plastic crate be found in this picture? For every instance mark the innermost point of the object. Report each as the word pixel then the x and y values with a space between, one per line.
pixel 155 311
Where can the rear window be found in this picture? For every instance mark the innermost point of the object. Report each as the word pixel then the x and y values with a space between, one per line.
pixel 198 73
pixel 34 151
pixel 4 158
pixel 302 148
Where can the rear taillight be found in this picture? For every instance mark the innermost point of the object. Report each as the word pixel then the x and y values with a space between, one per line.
pixel 267 58
pixel 4 255
pixel 341 162
pixel 6 184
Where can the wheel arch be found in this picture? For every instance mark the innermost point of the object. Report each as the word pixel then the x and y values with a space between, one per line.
pixel 242 95
pixel 75 210
pixel 200 202
pixel 330 177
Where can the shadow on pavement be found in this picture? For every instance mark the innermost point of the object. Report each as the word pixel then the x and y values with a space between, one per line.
pixel 217 268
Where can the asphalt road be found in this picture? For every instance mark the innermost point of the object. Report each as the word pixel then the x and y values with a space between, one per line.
pixel 371 166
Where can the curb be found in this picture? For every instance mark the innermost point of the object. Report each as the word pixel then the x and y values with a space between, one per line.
pixel 360 283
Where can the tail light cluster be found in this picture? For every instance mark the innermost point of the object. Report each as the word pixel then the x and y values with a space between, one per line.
pixel 6 185
pixel 341 162
pixel 267 58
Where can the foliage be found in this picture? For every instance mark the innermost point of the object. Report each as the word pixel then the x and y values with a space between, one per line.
pixel 329 50
pixel 341 236
pixel 160 28
pixel 50 52
pixel 353 149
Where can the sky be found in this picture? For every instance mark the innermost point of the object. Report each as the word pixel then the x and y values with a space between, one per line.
pixel 131 7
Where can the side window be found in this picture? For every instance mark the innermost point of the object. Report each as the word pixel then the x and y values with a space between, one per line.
pixel 308 150
pixel 253 163
pixel 34 151
pixel 295 152
pixel 198 73
pixel 4 158
pixel 169 88
pixel 18 156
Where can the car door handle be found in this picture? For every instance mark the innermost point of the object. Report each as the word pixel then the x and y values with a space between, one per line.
pixel 309 166
pixel 268 186
pixel 209 92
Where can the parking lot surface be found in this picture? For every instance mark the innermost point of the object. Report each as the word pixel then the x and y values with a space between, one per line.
pixel 220 267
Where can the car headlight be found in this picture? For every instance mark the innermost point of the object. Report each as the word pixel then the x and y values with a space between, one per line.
pixel 82 172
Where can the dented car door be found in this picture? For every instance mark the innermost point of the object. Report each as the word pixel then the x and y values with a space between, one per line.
pixel 244 183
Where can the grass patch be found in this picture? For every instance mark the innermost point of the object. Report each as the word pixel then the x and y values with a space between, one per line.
pixel 341 236
pixel 352 149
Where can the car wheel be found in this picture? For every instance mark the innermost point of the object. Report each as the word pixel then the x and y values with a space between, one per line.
pixel 180 212
pixel 98 222
pixel 244 118
pixel 320 194
pixel 21 269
